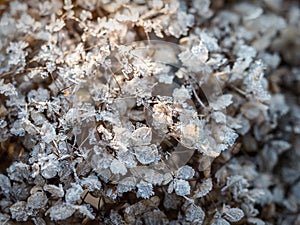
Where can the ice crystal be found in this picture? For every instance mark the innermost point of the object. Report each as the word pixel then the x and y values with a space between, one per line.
pixel 73 194
pixel 204 188
pixel 182 187
pixel 18 211
pixel 185 172
pixel 54 190
pixel 220 221
pixel 194 214
pixel 146 154
pixel 181 24
pixel 118 167
pixel 61 212
pixel 37 200
pixel 145 190
pixel 4 218
pixel 7 89
pixel 255 82
pixel 18 171
pixel 222 102
pixel 233 214
pixel 49 166
pixel 17 53
pixel 127 184
pixel 48 132
pixel 92 182
pixel 5 184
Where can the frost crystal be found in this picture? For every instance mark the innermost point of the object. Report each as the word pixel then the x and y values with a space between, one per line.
pixel 73 194
pixel 185 172
pixel 181 94
pixel 142 136
pixel 85 211
pixel 200 52
pixel 118 167
pixel 56 26
pixel 146 154
pixel 49 132
pixel 127 184
pixel 54 190
pixel 182 187
pixel 222 102
pixel 92 182
pixel 18 171
pixel 5 184
pixel 220 221
pixel 194 214
pixel 37 201
pixel 237 183
pixel 204 188
pixel 180 26
pixel 4 218
pixel 7 89
pixel 18 211
pixel 61 212
pixel 145 190
pixel 49 167
pixel 17 53
pixel 234 214
pixel 17 128
pixel 256 82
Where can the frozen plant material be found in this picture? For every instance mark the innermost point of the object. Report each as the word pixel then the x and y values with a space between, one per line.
pixel 194 214
pixel 233 214
pixel 4 218
pixel 220 221
pixel 56 191
pixel 49 166
pixel 61 212
pixel 18 211
pixel 5 184
pixel 18 171
pixel 145 190
pixel 182 187
pixel 37 200
pixel 118 167
pixel 73 194
pixel 185 172
pixel 127 184
pixel 7 89
pixel 192 104
pixel 146 154
pixel 92 182
pixel 204 188
pixel 85 211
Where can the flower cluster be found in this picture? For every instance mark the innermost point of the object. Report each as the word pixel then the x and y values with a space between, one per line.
pixel 149 112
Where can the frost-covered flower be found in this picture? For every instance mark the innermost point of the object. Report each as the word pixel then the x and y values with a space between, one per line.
pixel 142 107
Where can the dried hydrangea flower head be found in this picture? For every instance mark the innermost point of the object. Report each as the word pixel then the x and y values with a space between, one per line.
pixel 149 112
